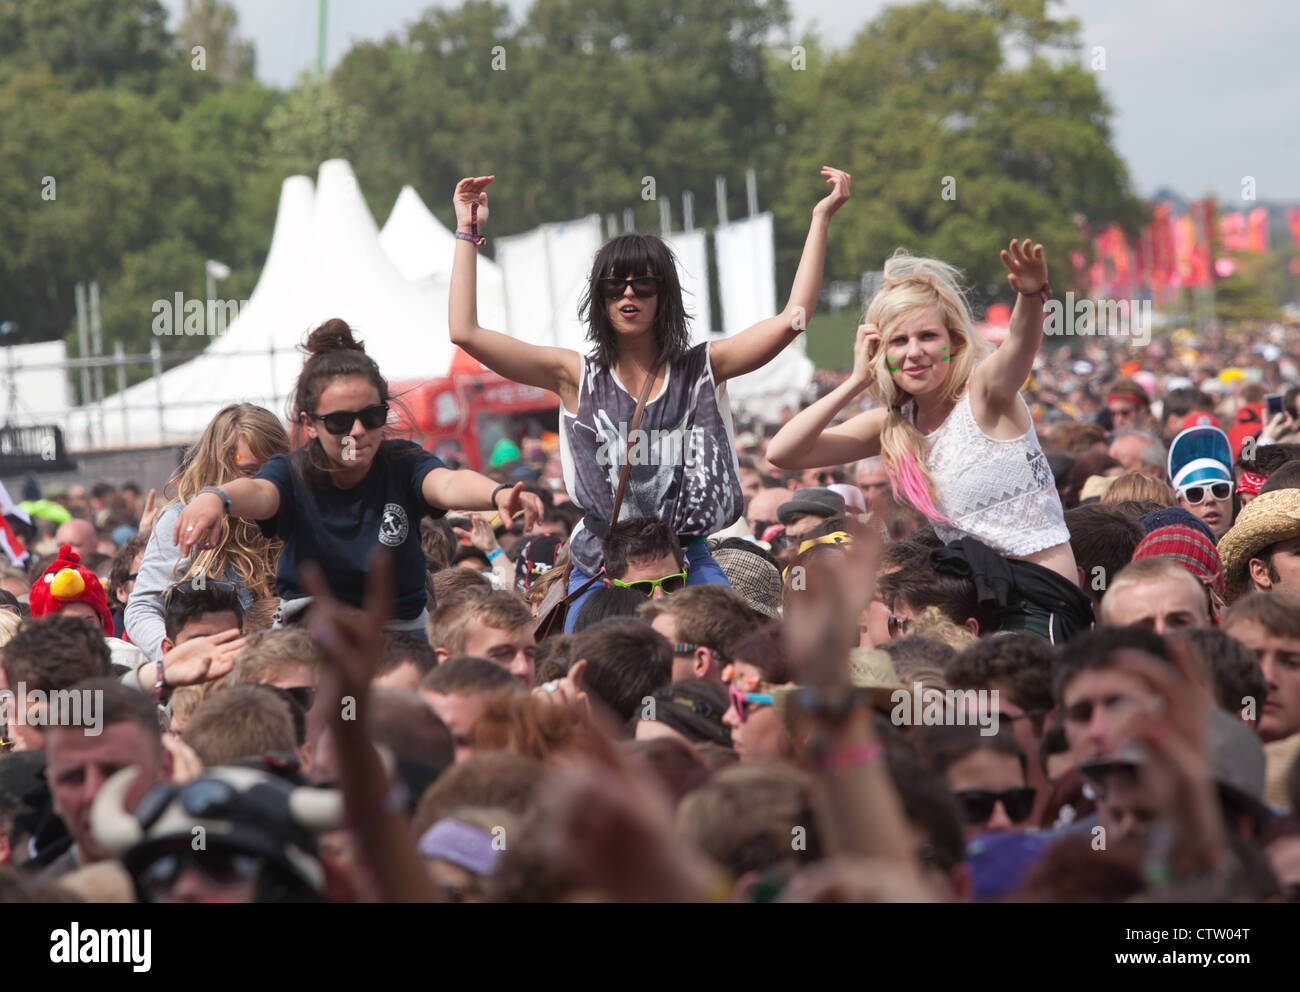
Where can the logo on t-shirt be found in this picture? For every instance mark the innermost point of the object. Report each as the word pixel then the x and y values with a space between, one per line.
pixel 394 526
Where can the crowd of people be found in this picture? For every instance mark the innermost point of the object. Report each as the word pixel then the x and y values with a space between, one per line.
pixel 976 623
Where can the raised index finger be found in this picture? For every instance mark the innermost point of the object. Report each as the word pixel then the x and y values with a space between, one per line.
pixel 379 587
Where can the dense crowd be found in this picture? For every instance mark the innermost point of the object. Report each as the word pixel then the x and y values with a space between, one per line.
pixel 976 623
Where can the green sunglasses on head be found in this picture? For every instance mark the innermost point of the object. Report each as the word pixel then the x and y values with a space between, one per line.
pixel 670 583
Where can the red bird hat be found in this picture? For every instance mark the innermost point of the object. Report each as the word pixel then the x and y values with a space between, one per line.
pixel 67 581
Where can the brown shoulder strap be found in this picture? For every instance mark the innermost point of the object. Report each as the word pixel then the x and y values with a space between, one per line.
pixel 631 441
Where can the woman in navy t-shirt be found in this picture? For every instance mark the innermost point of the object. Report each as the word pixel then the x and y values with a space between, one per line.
pixel 348 491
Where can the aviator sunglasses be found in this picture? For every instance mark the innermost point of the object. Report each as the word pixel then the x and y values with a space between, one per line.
pixel 341 421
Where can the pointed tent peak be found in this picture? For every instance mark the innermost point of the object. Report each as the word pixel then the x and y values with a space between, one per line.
pixel 462 363
pixel 408 202
pixel 290 238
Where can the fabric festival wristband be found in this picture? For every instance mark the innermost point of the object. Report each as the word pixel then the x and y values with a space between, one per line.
pixel 494 554
pixel 864 754
pixel 220 492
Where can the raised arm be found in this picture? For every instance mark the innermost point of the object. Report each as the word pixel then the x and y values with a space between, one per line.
pixel 464 489
pixel 1000 377
pixel 755 346
pixel 807 441
pixel 556 369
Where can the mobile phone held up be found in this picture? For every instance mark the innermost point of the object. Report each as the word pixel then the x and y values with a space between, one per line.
pixel 1272 406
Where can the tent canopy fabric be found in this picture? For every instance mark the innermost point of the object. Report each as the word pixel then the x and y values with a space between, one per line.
pixel 328 259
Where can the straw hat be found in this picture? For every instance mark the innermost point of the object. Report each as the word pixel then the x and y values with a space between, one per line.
pixel 1266 520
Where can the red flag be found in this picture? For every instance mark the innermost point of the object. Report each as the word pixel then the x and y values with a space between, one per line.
pixel 1293 222
pixel 1257 235
pixel 1232 231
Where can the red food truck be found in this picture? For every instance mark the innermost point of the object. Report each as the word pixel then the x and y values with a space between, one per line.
pixel 461 417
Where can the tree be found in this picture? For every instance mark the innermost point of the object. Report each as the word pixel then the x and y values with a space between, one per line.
pixel 953 149
pixel 211 26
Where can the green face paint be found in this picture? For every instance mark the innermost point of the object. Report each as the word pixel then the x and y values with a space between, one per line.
pixel 946 357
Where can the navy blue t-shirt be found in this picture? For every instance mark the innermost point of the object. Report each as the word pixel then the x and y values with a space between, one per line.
pixel 341 528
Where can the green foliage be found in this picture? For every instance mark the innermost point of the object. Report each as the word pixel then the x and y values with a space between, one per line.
pixel 925 103
pixel 160 166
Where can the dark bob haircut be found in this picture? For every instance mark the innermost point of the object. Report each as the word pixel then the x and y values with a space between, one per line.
pixel 627 256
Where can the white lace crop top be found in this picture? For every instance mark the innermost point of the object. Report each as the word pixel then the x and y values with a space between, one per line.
pixel 999 492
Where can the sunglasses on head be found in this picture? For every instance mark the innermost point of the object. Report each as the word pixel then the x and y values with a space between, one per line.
pixel 670 583
pixel 978 804
pixel 341 421
pixel 218 867
pixel 1196 495
pixel 643 286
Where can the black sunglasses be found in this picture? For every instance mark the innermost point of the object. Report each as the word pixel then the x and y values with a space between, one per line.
pixel 643 286
pixel 340 421
pixel 978 804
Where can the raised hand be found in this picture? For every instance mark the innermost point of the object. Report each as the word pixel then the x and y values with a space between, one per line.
pixel 838 196
pixel 480 535
pixel 1026 267
pixel 150 513
pixel 864 350
pixel 203 659
pixel 350 641
pixel 512 501
pixel 470 191
pixel 199 523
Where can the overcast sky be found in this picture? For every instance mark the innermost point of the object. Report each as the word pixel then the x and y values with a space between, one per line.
pixel 1205 92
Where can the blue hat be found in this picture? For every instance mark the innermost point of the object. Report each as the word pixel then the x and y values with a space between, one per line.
pixel 123 533
pixel 1200 456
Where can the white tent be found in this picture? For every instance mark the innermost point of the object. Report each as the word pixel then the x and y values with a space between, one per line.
pixel 325 261
pixel 422 249
pixel 546 271
pixel 746 255
pixel 691 249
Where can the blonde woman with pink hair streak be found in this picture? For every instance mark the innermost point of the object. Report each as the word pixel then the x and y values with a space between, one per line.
pixel 957 438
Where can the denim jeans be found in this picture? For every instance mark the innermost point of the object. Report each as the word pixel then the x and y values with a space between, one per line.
pixel 701 570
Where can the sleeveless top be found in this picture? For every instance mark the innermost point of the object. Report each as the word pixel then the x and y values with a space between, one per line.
pixel 999 492
pixel 683 464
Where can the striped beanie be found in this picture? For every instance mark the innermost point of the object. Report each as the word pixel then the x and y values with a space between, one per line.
pixel 1188 547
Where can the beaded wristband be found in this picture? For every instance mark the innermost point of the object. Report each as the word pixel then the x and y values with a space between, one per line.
pixel 474 237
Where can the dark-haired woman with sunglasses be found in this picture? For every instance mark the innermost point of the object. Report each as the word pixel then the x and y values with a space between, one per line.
pixel 350 490
pixel 683 466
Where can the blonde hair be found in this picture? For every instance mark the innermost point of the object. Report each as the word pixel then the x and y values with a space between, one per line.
pixel 932 623
pixel 912 284
pixel 9 624
pixel 1139 487
pixel 243 550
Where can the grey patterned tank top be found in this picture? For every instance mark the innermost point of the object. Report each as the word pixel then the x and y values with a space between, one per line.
pixel 683 462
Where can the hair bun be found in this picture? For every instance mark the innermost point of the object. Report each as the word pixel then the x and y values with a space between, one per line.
pixel 333 335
